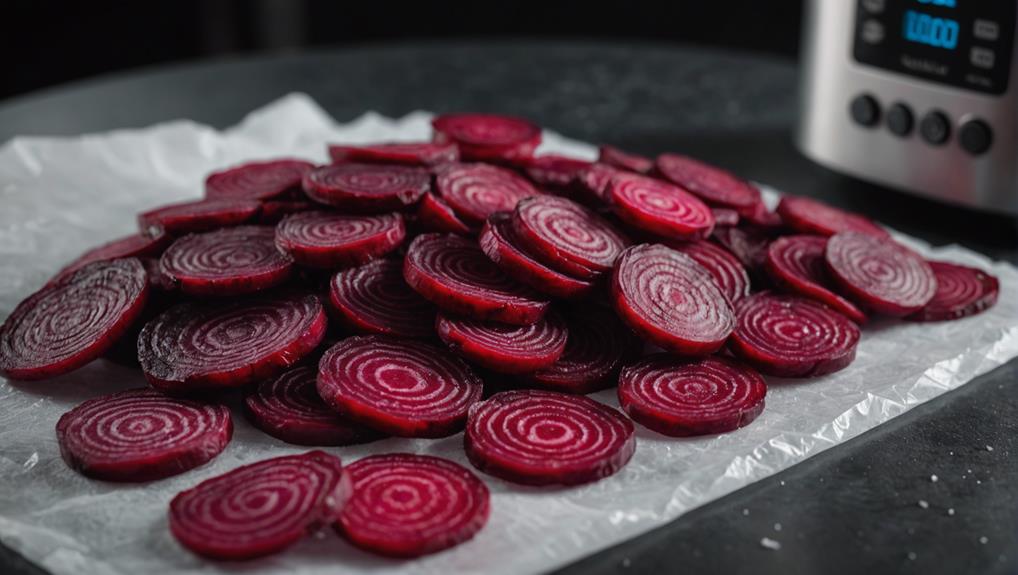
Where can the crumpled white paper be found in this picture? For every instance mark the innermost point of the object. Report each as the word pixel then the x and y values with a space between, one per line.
pixel 61 195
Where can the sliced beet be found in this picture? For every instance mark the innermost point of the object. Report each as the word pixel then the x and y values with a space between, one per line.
pixel 261 508
pixel 498 241
pixel 453 273
pixel 506 348
pixel 749 245
pixel 407 153
pixel 273 211
pixel 552 171
pixel 404 388
pixel 367 188
pixel 544 438
pixel 289 408
pixel 726 269
pixel 488 136
pixel 809 216
pixel 624 160
pixel 375 299
pixel 592 183
pixel 762 217
pixel 407 505
pixel 141 435
pixel 227 262
pixel 796 264
pixel 196 347
pixel 475 191
pixel 659 208
pixel 791 336
pixel 670 300
pixel 682 397
pixel 258 180
pixel 200 215
pixel 434 215
pixel 725 217
pixel 961 291
pixel 72 320
pixel 146 245
pixel 879 274
pixel 329 240
pixel 712 184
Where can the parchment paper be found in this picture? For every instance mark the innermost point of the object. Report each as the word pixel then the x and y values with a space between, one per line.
pixel 61 195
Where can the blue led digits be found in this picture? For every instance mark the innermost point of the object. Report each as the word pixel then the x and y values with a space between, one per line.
pixel 931 30
pixel 944 3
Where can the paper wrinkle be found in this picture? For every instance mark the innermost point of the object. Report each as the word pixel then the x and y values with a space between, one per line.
pixel 61 195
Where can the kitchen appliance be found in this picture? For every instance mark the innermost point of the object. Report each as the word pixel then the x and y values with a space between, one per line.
pixel 920 95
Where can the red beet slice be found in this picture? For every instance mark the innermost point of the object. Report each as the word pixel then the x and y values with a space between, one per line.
pixel 200 216
pixel 405 388
pixel 791 336
pixel 764 218
pixel 258 180
pixel 475 191
pixel 725 217
pixel 367 188
pixel 289 408
pixel 961 291
pixel 659 208
pixel 146 245
pixel 809 216
pixel 273 211
pixel 375 299
pixel 727 271
pixel 624 160
pixel 670 300
pixel 330 240
pixel 194 347
pixel 592 184
pixel 434 215
pixel 407 153
pixel 712 184
pixel 141 435
pixel 567 236
pixel 553 171
pixel 488 136
pixel 796 264
pixel 498 241
pixel 749 245
pixel 231 261
pixel 453 273
pixel 506 348
pixel 72 320
pixel 682 397
pixel 879 274
pixel 261 508
pixel 543 438
pixel 406 505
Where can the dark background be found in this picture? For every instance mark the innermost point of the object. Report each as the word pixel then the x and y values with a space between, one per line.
pixel 47 42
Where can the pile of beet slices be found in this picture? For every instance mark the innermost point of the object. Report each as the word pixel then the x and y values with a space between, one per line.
pixel 459 285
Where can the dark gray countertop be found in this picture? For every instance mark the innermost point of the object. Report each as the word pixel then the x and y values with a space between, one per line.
pixel 851 509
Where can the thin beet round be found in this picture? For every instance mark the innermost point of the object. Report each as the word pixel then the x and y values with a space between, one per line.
pixel 146 245
pixel 375 299
pixel 406 153
pixel 961 291
pixel 367 188
pixel 879 274
pixel 330 240
pixel 553 171
pixel 659 208
pixel 712 184
pixel 796 264
pixel 749 245
pixel 200 215
pixel 683 397
pixel 258 180
pixel 435 215
pixel 488 136
pixel 506 348
pixel 273 211
pixel 624 160
pixel 591 184
pixel 231 261
pixel 406 505
pixel 141 435
pixel 727 271
pixel 544 438
pixel 724 217
pixel 475 191
pixel 809 216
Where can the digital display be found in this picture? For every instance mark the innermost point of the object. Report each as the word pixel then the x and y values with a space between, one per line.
pixel 944 3
pixel 931 30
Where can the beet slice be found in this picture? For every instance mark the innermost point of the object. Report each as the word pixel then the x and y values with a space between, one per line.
pixel 749 245
pixel 552 171
pixel 273 211
pixel 453 273
pixel 961 291
pixel 406 505
pixel 498 241
pixel 591 184
pixel 796 264
pixel 72 320
pixel 726 269
pixel 725 217
pixel 879 274
pixel 683 397
pixel 406 153
pixel 258 180
pixel 367 188
pixel 712 184
pixel 231 261
pixel 147 245
pixel 762 217
pixel 194 347
pixel 624 160
pixel 200 215
pixel 543 438
pixel 475 191
pixel 375 299
pixel 506 348
pixel 434 215
pixel 404 388
pixel 330 240
pixel 261 508
pixel 659 208
pixel 141 435
pixel 670 300
pixel 809 216
pixel 488 136
pixel 791 336
pixel 289 408
pixel 567 236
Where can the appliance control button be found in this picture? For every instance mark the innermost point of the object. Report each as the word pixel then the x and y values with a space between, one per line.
pixel 981 57
pixel 874 6
pixel 872 32
pixel 900 119
pixel 865 110
pixel 975 137
pixel 985 30
pixel 935 128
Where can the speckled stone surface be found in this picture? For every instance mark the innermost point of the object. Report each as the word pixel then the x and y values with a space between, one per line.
pixel 853 509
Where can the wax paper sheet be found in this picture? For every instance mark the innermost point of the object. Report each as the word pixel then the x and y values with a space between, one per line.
pixel 60 195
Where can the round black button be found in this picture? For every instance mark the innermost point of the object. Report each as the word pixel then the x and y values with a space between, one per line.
pixel 899 119
pixel 865 110
pixel 975 137
pixel 935 128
